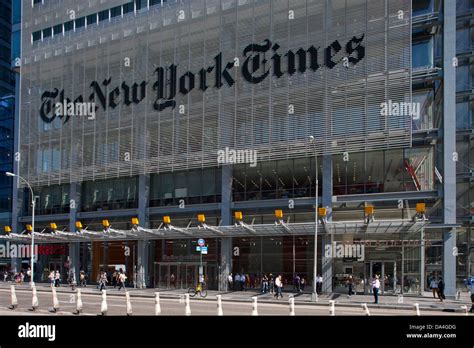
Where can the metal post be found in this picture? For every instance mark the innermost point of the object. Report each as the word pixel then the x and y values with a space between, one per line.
pixel 314 294
pixel 422 262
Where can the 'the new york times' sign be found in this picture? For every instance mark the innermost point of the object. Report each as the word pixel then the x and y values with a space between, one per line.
pixel 251 75
pixel 255 69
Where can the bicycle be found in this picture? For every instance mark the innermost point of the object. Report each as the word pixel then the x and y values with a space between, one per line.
pixel 200 288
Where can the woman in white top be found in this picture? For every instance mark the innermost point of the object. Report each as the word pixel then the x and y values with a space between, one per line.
pixel 434 286
pixel 375 288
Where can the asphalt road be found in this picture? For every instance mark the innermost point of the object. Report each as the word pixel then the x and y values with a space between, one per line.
pixel 146 306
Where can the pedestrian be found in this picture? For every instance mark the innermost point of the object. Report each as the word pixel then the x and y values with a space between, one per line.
pixel 103 281
pixel 319 284
pixel 28 274
pixel 57 277
pixel 271 283
pixel 5 275
pixel 376 288
pixel 350 285
pixel 264 284
pixel 434 286
pixel 279 287
pixel 51 277
pixel 230 281
pixel 441 289
pixel 303 283
pixel 242 282
pixel 470 286
pixel 237 282
pixel 121 279
pixel 22 277
pixel 297 283
pixel 114 279
pixel 82 279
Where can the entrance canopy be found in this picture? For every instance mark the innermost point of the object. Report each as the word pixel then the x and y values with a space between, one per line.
pixel 238 230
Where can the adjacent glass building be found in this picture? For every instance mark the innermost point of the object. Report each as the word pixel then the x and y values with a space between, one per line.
pixel 176 87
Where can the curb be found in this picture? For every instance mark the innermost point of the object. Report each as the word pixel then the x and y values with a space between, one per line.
pixel 177 296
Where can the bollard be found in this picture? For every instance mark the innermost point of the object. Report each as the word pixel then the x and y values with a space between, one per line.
pixel 400 298
pixel 34 300
pixel 103 306
pixel 157 304
pixel 292 305
pixel 417 309
pixel 79 302
pixel 332 308
pixel 364 305
pixel 219 305
pixel 254 306
pixel 14 298
pixel 465 310
pixel 129 304
pixel 55 300
pixel 188 307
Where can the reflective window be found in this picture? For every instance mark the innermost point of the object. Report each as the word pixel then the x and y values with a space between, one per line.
pixel 110 194
pixel 104 15
pixel 422 54
pixel 463 115
pixel 91 19
pixel 423 100
pixel 421 7
pixel 80 22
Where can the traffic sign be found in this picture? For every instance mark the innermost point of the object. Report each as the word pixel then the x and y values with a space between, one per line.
pixel 204 250
pixel 201 242
pixel 198 248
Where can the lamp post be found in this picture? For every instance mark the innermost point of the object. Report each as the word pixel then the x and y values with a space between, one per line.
pixel 314 294
pixel 32 254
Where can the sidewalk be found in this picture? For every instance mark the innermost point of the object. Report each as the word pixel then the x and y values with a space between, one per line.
pixel 426 302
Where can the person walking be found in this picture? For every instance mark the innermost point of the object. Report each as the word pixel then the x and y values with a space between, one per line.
pixel 103 281
pixel 57 276
pixel 350 285
pixel 271 283
pixel 82 279
pixel 279 287
pixel 5 275
pixel 303 283
pixel 470 286
pixel 434 286
pixel 121 280
pixel 297 283
pixel 376 288
pixel 28 274
pixel 441 289
pixel 264 284
pixel 237 282
pixel 230 281
pixel 51 277
pixel 242 282
pixel 319 284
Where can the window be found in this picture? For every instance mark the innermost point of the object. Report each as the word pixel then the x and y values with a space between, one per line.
pixel 68 26
pixel 58 29
pixel 91 19
pixel 36 35
pixel 463 40
pixel 155 2
pixel 422 7
pixel 103 15
pixel 80 22
pixel 140 4
pixel 47 32
pixel 422 54
pixel 463 115
pixel 127 8
pixel 116 11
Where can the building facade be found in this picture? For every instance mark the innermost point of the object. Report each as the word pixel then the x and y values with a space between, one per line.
pixel 7 113
pixel 150 109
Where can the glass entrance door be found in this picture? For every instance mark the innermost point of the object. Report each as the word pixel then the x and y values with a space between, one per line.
pixel 387 272
pixel 177 275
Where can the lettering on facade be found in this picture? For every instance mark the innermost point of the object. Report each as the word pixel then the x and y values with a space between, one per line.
pixel 339 250
pixel 259 62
